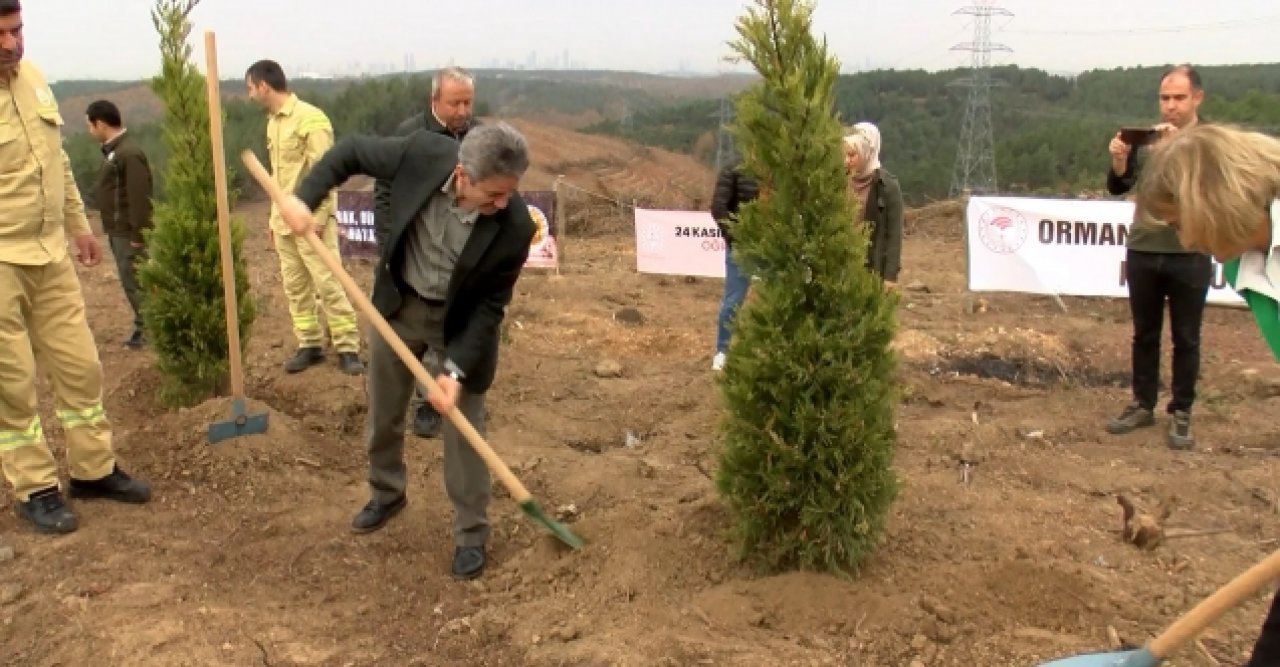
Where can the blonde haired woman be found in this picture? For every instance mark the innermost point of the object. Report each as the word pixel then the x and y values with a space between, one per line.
pixel 1217 186
pixel 879 200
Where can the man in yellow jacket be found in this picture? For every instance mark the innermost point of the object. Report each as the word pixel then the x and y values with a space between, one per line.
pixel 297 135
pixel 42 313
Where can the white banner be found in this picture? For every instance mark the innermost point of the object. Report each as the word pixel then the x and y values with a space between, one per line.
pixel 686 243
pixel 1056 246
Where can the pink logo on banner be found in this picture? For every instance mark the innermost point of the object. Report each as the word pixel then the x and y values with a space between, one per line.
pixel 686 243
pixel 1002 230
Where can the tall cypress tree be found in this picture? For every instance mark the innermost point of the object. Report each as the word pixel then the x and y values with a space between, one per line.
pixel 808 435
pixel 183 308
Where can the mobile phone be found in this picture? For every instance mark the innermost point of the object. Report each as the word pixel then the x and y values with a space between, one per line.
pixel 1138 136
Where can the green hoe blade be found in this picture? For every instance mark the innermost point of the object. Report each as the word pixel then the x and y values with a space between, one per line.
pixel 561 531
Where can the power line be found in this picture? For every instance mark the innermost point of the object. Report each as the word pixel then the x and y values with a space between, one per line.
pixel 1198 27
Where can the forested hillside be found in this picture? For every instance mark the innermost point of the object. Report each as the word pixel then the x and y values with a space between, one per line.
pixel 1051 131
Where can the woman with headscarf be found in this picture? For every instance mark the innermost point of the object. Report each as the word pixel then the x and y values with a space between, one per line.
pixel 1217 187
pixel 879 200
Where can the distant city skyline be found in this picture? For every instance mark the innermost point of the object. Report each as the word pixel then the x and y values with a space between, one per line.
pixel 92 39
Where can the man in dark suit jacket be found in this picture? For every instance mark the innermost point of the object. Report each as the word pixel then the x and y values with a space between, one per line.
pixel 453 93
pixel 458 239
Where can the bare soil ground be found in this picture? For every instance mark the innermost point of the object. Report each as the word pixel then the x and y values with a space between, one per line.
pixel 245 558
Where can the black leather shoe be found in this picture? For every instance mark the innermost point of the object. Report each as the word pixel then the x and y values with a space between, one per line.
pixel 349 363
pixel 426 421
pixel 117 486
pixel 47 513
pixel 375 515
pixel 468 562
pixel 305 358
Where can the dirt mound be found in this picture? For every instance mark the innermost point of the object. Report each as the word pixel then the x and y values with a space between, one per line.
pixel 942 220
pixel 916 346
pixel 1017 356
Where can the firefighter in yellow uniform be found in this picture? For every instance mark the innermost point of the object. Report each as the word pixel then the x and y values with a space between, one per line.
pixel 297 135
pixel 42 313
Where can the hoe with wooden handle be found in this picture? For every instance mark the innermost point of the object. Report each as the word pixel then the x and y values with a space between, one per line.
pixel 1185 629
pixel 241 422
pixel 500 469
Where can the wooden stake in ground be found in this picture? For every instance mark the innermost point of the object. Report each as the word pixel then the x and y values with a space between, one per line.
pixel 241 423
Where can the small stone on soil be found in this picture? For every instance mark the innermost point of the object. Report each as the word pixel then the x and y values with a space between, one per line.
pixel 629 316
pixel 609 369
pixel 9 593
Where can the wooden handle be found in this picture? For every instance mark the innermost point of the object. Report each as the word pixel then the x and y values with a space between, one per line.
pixel 518 492
pixel 1213 607
pixel 224 214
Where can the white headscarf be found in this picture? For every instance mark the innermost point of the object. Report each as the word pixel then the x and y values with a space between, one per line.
pixel 865 141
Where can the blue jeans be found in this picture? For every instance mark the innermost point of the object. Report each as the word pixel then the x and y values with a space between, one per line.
pixel 735 290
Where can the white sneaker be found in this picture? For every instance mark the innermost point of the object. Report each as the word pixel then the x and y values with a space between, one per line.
pixel 717 362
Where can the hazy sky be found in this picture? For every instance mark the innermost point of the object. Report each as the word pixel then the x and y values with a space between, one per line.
pixel 115 38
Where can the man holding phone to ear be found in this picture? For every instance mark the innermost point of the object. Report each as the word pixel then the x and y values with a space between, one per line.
pixel 1159 269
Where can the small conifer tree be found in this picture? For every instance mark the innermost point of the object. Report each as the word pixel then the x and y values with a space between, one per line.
pixel 808 435
pixel 183 309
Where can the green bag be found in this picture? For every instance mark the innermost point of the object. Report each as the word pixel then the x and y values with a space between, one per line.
pixel 1265 310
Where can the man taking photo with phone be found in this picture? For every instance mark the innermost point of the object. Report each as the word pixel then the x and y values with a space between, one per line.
pixel 1159 269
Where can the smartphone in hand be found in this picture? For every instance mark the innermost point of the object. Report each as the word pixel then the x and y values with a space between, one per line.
pixel 1138 136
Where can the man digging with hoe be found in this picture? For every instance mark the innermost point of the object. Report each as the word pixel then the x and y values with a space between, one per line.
pixel 458 238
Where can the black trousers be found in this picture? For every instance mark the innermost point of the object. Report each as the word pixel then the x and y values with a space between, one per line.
pixel 127 260
pixel 1182 280
pixel 1266 651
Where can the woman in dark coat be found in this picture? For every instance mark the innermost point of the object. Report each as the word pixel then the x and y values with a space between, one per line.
pixel 879 200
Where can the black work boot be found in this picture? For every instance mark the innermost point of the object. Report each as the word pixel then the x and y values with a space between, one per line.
pixel 349 363
pixel 305 358
pixel 47 513
pixel 426 421
pixel 1180 431
pixel 376 515
pixel 116 486
pixel 135 340
pixel 1133 418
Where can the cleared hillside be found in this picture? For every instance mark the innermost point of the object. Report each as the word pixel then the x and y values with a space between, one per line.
pixel 606 166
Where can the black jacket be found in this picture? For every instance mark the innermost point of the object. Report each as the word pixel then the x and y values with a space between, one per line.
pixel 382 189
pixel 733 188
pixel 123 191
pixel 1144 234
pixel 1121 184
pixel 483 279
pixel 884 215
